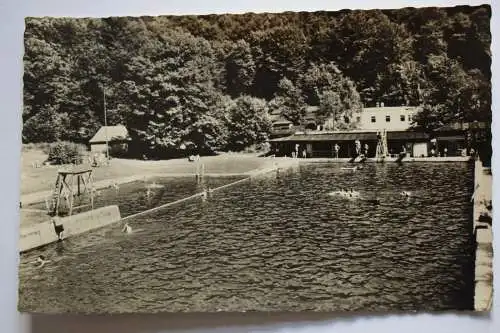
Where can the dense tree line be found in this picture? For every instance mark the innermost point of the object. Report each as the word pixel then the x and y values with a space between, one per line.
pixel 209 82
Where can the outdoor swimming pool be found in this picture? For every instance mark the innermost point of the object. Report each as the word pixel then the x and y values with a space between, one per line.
pixel 236 251
pixel 133 197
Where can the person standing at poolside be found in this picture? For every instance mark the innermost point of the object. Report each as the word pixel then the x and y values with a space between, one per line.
pixel 357 145
pixel 336 150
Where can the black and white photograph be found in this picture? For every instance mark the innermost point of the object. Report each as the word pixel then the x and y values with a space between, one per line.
pixel 328 161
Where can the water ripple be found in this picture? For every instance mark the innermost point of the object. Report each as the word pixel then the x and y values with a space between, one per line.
pixel 278 243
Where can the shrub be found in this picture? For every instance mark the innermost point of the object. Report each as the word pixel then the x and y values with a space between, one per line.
pixel 62 152
pixel 118 150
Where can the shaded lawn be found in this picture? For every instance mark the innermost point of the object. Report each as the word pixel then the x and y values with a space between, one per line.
pixel 43 179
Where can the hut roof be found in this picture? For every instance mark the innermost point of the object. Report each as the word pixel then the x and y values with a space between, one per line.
pixel 113 133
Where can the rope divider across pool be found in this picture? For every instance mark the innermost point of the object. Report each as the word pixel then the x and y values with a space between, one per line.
pixel 41 234
pixel 254 174
pixel 196 195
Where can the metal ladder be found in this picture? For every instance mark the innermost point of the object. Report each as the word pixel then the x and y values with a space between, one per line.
pixel 382 150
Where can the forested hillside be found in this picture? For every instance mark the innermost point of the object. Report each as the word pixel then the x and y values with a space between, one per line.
pixel 210 81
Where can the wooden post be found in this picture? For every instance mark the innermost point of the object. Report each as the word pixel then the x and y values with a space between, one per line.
pixel 71 195
pixel 65 185
pixel 60 179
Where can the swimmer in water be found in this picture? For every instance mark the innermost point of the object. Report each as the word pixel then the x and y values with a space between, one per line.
pixel 127 229
pixel 116 187
pixel 41 261
pixel 204 195
pixel 354 193
pixel 406 194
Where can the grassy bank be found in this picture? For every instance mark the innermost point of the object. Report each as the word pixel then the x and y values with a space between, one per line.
pixel 43 178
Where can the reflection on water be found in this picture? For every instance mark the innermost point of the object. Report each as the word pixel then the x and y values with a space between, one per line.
pixel 278 243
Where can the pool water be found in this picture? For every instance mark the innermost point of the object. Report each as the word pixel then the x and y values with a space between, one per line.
pixel 133 197
pixel 278 243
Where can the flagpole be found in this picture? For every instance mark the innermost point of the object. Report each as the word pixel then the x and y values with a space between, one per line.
pixel 105 123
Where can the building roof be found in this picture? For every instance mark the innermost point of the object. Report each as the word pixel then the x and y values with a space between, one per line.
pixel 351 136
pixel 407 135
pixel 462 126
pixel 391 108
pixel 312 108
pixel 281 122
pixel 113 133
pixel 275 116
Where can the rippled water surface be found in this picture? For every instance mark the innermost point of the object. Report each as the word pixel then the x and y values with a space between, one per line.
pixel 133 197
pixel 279 242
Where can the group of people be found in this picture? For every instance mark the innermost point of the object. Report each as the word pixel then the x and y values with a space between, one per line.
pixel 350 193
pixel 436 153
pixel 361 150
pixel 206 193
pixel 298 151
pixel 194 158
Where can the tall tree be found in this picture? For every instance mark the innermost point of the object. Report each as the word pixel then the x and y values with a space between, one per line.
pixel 249 123
pixel 288 102
pixel 240 69
pixel 324 85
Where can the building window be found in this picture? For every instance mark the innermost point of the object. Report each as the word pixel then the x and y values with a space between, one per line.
pixel 409 117
pixel 373 119
pixel 358 119
pixel 387 119
pixel 402 117
pixel 346 120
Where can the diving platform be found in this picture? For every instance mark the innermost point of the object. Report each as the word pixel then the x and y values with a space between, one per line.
pixel 71 182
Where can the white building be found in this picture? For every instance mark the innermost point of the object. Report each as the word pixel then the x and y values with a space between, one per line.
pixel 390 118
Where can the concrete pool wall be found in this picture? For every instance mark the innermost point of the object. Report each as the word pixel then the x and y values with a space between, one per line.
pixel 483 236
pixel 44 233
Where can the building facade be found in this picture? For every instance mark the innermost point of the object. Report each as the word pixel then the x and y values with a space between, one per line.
pixel 320 139
pixel 324 143
pixel 380 117
pixel 389 118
